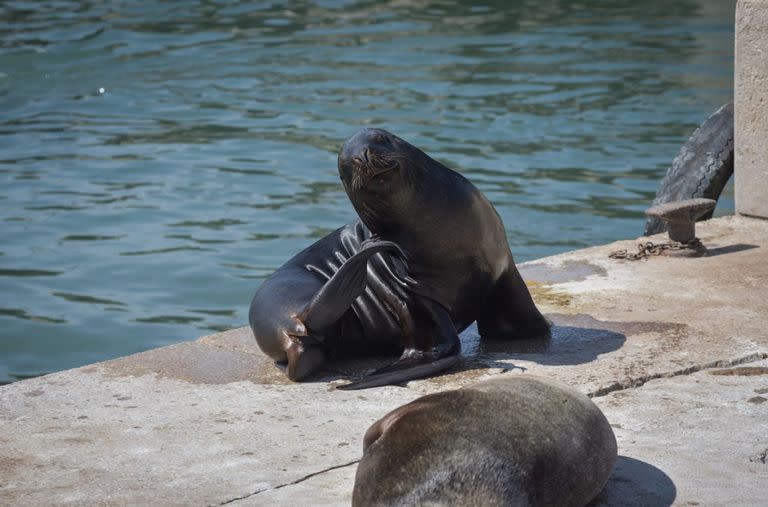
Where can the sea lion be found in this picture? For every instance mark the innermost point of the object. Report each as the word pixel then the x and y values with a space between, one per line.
pixel 515 440
pixel 427 257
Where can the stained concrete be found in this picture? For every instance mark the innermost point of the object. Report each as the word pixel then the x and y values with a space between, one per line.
pixel 672 349
pixel 751 108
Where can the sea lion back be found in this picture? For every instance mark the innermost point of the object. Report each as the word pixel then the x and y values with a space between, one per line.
pixel 515 440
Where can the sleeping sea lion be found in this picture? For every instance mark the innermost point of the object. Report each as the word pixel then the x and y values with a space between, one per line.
pixel 515 440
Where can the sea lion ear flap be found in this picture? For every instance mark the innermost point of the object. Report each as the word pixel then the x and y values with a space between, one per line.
pixel 338 293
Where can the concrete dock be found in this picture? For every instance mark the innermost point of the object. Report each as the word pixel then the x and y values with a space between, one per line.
pixel 673 350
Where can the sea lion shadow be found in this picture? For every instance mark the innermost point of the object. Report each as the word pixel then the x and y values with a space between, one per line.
pixel 575 339
pixel 636 483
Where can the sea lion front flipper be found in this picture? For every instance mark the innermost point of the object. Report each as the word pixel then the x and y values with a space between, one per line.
pixel 340 291
pixel 416 362
pixel 509 311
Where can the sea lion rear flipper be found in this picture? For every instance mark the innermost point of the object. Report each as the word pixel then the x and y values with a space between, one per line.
pixel 415 362
pixel 338 293
pixel 402 370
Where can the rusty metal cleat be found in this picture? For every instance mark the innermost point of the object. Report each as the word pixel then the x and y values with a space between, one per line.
pixel 680 218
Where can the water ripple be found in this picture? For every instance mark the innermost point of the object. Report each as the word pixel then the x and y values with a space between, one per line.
pixel 82 298
pixel 28 272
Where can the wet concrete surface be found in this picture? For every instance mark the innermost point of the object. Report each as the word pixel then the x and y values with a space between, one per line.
pixel 673 350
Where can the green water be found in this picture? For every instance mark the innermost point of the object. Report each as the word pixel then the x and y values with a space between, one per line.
pixel 159 159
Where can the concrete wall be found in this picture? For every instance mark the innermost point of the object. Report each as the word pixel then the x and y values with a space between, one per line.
pixel 751 108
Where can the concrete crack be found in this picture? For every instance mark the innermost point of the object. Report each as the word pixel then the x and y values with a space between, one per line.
pixel 297 481
pixel 639 381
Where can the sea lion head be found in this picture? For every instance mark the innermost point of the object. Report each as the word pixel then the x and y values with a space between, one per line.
pixel 379 172
pixel 371 160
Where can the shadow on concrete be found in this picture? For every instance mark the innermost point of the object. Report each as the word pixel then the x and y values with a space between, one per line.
pixel 739 247
pixel 636 483
pixel 576 339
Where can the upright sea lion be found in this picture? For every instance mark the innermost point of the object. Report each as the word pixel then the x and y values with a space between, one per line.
pixel 428 257
pixel 515 440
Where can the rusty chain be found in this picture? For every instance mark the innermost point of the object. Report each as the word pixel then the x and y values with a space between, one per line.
pixel 649 248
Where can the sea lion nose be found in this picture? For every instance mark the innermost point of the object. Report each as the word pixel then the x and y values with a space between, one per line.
pixel 363 157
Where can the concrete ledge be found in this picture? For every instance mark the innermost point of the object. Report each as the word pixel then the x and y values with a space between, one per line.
pixel 213 422
pixel 751 108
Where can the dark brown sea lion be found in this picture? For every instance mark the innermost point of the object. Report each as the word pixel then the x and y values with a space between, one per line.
pixel 428 257
pixel 516 440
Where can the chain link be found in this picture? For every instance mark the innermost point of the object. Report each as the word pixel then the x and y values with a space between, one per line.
pixel 648 249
